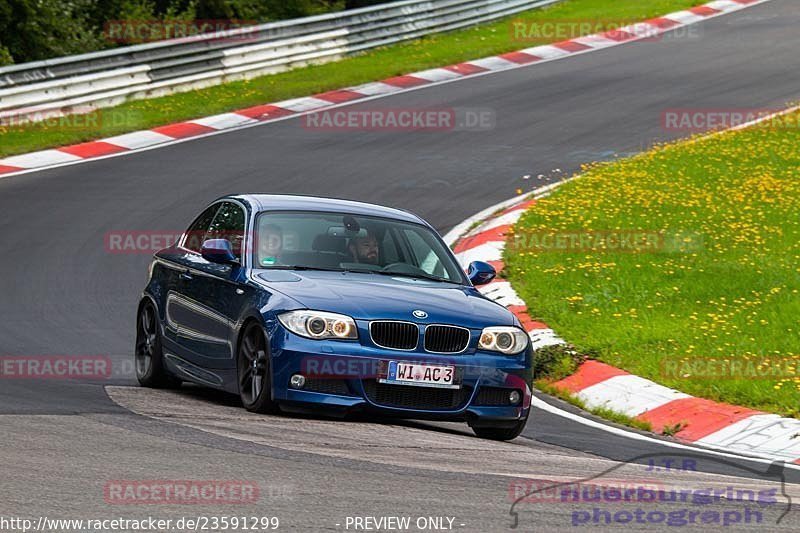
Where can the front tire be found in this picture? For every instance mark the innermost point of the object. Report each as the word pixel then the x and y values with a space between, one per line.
pixel 253 368
pixel 501 433
pixel 149 357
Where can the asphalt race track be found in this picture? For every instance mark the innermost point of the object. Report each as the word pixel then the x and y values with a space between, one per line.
pixel 64 293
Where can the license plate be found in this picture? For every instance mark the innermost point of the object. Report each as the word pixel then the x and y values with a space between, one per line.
pixel 419 375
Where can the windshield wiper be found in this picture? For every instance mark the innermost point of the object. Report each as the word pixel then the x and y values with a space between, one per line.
pixel 420 276
pixel 323 269
pixel 302 267
pixel 360 270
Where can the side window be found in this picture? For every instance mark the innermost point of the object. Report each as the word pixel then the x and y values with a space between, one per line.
pixel 196 233
pixel 229 224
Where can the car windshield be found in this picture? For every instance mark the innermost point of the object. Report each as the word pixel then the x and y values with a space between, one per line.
pixel 343 242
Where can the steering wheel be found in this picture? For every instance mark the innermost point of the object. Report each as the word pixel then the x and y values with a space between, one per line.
pixel 403 268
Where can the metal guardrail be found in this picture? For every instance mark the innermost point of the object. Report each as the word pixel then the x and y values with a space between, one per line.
pixel 55 87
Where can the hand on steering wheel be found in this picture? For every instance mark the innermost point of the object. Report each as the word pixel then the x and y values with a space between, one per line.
pixel 403 268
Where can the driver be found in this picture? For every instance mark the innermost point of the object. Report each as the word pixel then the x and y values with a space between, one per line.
pixel 270 244
pixel 365 249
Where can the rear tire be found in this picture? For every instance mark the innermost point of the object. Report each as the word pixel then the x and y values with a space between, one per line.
pixel 148 356
pixel 501 433
pixel 254 371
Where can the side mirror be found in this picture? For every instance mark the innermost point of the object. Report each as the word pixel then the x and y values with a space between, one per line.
pixel 480 273
pixel 218 251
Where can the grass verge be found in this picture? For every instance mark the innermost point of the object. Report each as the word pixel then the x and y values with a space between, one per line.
pixel 711 305
pixel 433 51
pixel 556 362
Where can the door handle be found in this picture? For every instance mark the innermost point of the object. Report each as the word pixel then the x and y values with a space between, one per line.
pixel 186 275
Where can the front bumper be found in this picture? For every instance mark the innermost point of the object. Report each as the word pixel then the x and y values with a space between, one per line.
pixel 342 377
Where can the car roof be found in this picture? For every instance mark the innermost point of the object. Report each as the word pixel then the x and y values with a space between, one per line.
pixel 292 202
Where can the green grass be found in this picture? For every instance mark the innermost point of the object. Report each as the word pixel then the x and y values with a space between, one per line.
pixel 724 284
pixel 670 430
pixel 433 51
pixel 556 362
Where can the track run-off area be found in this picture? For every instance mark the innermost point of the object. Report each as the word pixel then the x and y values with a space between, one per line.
pixel 66 441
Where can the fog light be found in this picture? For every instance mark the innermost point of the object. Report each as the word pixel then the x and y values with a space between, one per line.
pixel 514 397
pixel 297 381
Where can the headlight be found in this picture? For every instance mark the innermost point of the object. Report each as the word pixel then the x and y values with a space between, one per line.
pixel 319 324
pixel 505 339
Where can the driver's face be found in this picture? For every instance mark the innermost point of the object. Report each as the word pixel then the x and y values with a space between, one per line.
pixel 270 244
pixel 366 249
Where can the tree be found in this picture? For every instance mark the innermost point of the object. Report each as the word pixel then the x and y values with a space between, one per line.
pixel 31 30
pixel 354 4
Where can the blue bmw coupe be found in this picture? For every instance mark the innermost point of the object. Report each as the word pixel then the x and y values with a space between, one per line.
pixel 298 303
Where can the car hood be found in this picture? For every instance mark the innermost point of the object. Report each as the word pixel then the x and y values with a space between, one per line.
pixel 374 296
